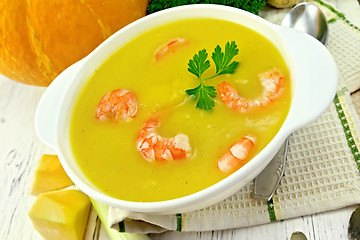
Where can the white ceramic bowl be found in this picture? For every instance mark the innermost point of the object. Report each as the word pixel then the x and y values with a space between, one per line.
pixel 314 81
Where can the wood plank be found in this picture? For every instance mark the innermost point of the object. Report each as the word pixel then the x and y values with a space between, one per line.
pixel 20 150
pixel 19 153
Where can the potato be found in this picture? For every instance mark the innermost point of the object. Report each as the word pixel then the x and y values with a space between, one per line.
pixel 282 3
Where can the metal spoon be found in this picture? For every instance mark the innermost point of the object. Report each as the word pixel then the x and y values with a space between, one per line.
pixel 308 18
pixel 298 236
pixel 354 225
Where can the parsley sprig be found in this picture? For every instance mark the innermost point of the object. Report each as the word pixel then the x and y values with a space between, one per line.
pixel 199 64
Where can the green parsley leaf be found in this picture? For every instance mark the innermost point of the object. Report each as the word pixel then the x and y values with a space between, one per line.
pixel 199 64
pixel 222 60
pixel 203 94
pixel 253 6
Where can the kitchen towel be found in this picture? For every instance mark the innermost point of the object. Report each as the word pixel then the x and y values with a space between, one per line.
pixel 322 168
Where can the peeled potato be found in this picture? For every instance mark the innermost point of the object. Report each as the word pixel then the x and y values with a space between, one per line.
pixel 282 3
pixel 60 215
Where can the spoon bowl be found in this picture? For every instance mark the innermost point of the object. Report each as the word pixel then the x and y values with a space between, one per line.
pixel 308 18
pixel 354 225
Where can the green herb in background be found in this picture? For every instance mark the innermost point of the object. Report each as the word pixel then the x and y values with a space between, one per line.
pixel 253 6
pixel 199 64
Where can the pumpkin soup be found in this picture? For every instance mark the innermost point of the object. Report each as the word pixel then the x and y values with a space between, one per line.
pixel 141 129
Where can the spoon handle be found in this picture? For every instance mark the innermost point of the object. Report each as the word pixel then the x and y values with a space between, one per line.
pixel 267 181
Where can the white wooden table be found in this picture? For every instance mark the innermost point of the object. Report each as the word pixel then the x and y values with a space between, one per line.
pixel 20 150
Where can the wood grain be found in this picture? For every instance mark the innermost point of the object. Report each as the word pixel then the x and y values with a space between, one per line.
pixel 20 150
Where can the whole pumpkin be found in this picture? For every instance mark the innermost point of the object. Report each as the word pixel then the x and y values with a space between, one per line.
pixel 40 38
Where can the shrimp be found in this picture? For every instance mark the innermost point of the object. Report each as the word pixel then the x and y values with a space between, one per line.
pixel 170 46
pixel 154 147
pixel 117 104
pixel 272 82
pixel 236 154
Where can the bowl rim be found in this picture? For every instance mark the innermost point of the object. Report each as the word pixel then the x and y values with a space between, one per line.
pixel 206 196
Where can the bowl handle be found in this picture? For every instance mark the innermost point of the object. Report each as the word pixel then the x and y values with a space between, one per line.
pixel 316 76
pixel 47 111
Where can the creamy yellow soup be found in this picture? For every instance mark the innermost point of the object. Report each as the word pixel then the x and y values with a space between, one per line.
pixel 106 151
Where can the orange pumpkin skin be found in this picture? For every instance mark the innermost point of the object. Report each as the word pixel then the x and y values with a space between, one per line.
pixel 40 38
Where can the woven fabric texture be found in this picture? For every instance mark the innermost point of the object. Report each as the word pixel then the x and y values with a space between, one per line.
pixel 322 171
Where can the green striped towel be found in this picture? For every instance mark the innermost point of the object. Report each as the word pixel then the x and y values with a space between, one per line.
pixel 322 169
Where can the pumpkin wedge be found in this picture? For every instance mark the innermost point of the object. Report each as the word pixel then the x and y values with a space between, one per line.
pixel 61 214
pixel 49 175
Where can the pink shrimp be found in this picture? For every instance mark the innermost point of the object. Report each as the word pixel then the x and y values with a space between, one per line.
pixel 154 147
pixel 272 82
pixel 170 46
pixel 117 104
pixel 233 158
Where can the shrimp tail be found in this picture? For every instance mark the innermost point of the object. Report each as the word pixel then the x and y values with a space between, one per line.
pixel 171 46
pixel 154 147
pixel 273 87
pixel 235 156
pixel 117 104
